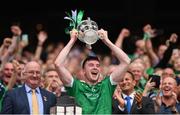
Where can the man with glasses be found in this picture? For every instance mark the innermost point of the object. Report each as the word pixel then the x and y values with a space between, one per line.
pixel 30 98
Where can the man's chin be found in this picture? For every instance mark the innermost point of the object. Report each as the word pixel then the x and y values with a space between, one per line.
pixel 7 79
pixel 125 88
pixel 34 84
pixel 95 78
pixel 167 94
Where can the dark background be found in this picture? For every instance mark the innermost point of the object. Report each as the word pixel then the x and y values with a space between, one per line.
pixel 110 15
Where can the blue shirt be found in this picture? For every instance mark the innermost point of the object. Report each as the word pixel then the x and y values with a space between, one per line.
pixel 39 97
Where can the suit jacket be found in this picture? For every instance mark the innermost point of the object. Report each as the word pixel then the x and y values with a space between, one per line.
pixel 16 101
pixel 147 107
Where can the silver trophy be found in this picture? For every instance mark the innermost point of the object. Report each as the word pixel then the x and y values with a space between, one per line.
pixel 88 32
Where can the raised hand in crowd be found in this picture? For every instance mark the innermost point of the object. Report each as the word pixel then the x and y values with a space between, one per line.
pixel 14 47
pixel 165 54
pixel 149 86
pixel 173 101
pixel 149 31
pixel 6 43
pixel 173 38
pixel 117 95
pixel 123 34
pixel 42 36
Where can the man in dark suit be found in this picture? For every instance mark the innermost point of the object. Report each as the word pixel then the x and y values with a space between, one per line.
pixel 126 100
pixel 20 100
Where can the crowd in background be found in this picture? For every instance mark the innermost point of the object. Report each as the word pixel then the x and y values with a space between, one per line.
pixel 154 73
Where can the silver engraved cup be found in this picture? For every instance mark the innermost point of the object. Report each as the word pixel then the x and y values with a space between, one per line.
pixel 88 32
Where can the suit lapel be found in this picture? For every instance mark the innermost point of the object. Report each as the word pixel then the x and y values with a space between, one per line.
pixel 133 107
pixel 44 98
pixel 25 98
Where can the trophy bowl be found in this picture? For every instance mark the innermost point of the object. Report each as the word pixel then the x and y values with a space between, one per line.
pixel 88 31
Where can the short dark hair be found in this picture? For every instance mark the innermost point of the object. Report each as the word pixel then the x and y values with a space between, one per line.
pixel 49 69
pixel 16 24
pixel 88 58
pixel 132 75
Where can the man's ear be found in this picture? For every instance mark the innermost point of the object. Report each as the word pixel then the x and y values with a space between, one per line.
pixel 83 71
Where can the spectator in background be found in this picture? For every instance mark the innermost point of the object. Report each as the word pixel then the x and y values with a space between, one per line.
pixel 7 72
pixel 160 59
pixel 138 104
pixel 176 67
pixel 174 56
pixel 167 102
pixel 9 50
pixel 19 100
pixel 52 82
pixel 138 70
pixel 168 72
pixel 11 45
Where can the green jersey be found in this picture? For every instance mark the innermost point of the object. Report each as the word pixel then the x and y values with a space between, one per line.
pixel 3 90
pixel 94 99
pixel 141 85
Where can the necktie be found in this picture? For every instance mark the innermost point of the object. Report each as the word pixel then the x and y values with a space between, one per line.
pixel 35 109
pixel 128 105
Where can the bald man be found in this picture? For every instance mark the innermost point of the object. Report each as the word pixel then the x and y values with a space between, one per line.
pixel 19 100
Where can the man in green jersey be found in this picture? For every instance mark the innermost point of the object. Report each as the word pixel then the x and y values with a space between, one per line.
pixel 93 95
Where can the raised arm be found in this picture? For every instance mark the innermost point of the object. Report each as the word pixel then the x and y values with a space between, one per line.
pixel 42 36
pixel 123 34
pixel 148 34
pixel 171 44
pixel 151 53
pixel 119 53
pixel 64 74
pixel 12 49
pixel 6 43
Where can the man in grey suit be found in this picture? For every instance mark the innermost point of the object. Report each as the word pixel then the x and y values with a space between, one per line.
pixel 19 100
pixel 126 100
